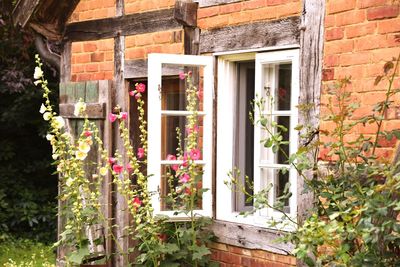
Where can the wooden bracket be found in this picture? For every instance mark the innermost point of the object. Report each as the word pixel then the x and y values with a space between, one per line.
pixel 185 13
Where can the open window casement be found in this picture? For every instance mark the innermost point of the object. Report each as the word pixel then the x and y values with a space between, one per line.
pixel 242 77
pixel 168 116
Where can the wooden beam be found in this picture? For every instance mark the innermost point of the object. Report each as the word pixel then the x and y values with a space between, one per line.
pixel 132 24
pixel 311 53
pixel 93 111
pixel 137 68
pixel 250 36
pixel 23 11
pixel 186 13
pixel 250 237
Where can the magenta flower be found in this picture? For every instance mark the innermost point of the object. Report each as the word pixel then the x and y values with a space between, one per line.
pixel 136 202
pixel 132 93
pixel 171 157
pixel 124 115
pixel 182 75
pixel 137 96
pixel 184 178
pixel 185 161
pixel 195 154
pixel 140 87
pixel 87 133
pixel 111 160
pixel 112 117
pixel 140 152
pixel 129 166
pixel 117 168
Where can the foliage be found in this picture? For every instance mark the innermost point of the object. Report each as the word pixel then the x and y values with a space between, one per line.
pixel 355 221
pixel 25 253
pixel 27 191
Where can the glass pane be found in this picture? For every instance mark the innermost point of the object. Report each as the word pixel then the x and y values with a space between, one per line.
pixel 175 134
pixel 175 86
pixel 178 183
pixel 281 155
pixel 279 178
pixel 278 85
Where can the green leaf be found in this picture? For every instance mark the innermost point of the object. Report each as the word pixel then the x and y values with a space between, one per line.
pixel 78 255
pixel 200 252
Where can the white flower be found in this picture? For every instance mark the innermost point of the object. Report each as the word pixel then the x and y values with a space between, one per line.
pixel 37 82
pixel 42 109
pixel 58 122
pixel 38 73
pixel 80 108
pixel 103 171
pixel 55 156
pixel 69 181
pixel 84 147
pixel 46 116
pixel 80 155
pixel 49 137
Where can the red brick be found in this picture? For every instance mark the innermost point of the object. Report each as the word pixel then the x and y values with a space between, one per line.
pixel 97 57
pixel 81 58
pixel 328 74
pixel 134 53
pixel 340 6
pixel 360 29
pixel 338 47
pixel 89 47
pixel 248 262
pixel 334 34
pixel 370 3
pixel 230 8
pixel 383 142
pixel 391 25
pixel 162 37
pixel 229 257
pixel 355 58
pixel 383 12
pixel 253 4
pixel 91 67
pixel 214 22
pixel 331 60
pixel 99 76
pixel 329 21
pixel 350 17
pixel 355 72
pixel 77 68
pixel 277 2
pixel 292 8
pixel 367 43
pixel 269 12
pixel 207 12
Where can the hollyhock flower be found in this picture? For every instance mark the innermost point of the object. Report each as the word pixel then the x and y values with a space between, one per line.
pixel 111 160
pixel 185 161
pixel 140 88
pixel 80 108
pixel 184 178
pixel 87 133
pixel 112 117
pixel 117 168
pixel 58 122
pixel 55 156
pixel 131 93
pixel 200 94
pixel 69 181
pixel 140 152
pixel 195 154
pixel 136 202
pixel 128 166
pixel 49 137
pixel 83 147
pixel 46 116
pixel 182 75
pixel 103 171
pixel 171 157
pixel 38 73
pixel 191 130
pixel 42 109
pixel 80 155
pixel 124 115
pixel 137 96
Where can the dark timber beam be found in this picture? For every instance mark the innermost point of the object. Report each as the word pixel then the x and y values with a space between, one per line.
pixel 121 25
pixel 251 36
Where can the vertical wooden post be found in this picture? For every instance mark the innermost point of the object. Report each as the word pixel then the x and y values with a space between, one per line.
pixel 311 53
pixel 121 99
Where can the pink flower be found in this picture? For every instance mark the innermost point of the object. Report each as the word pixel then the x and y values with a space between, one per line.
pixel 87 133
pixel 140 88
pixel 182 75
pixel 137 96
pixel 191 130
pixel 185 162
pixel 112 117
pixel 184 178
pixel 136 202
pixel 171 157
pixel 117 168
pixel 129 167
pixel 190 73
pixel 111 161
pixel 131 93
pixel 124 115
pixel 195 154
pixel 140 152
pixel 200 94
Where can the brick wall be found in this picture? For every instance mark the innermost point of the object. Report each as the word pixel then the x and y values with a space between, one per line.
pixel 232 256
pixel 92 60
pixel 137 6
pixel 93 9
pixel 246 12
pixel 359 38
pixel 138 46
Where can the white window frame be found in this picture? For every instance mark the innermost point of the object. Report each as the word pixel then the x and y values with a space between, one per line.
pixel 155 113
pixel 227 90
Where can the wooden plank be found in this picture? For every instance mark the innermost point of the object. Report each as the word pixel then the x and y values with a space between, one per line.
pixel 23 11
pixel 132 24
pixel 80 91
pixel 69 93
pixel 92 92
pixel 311 54
pixel 65 68
pixel 250 36
pixel 137 68
pixel 93 110
pixel 191 40
pixel 186 13
pixel 250 237
pixel 208 3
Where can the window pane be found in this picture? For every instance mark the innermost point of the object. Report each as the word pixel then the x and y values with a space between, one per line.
pixel 281 155
pixel 279 179
pixel 177 186
pixel 174 86
pixel 175 133
pixel 278 85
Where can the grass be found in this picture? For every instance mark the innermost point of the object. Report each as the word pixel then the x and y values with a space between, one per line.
pixel 26 253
